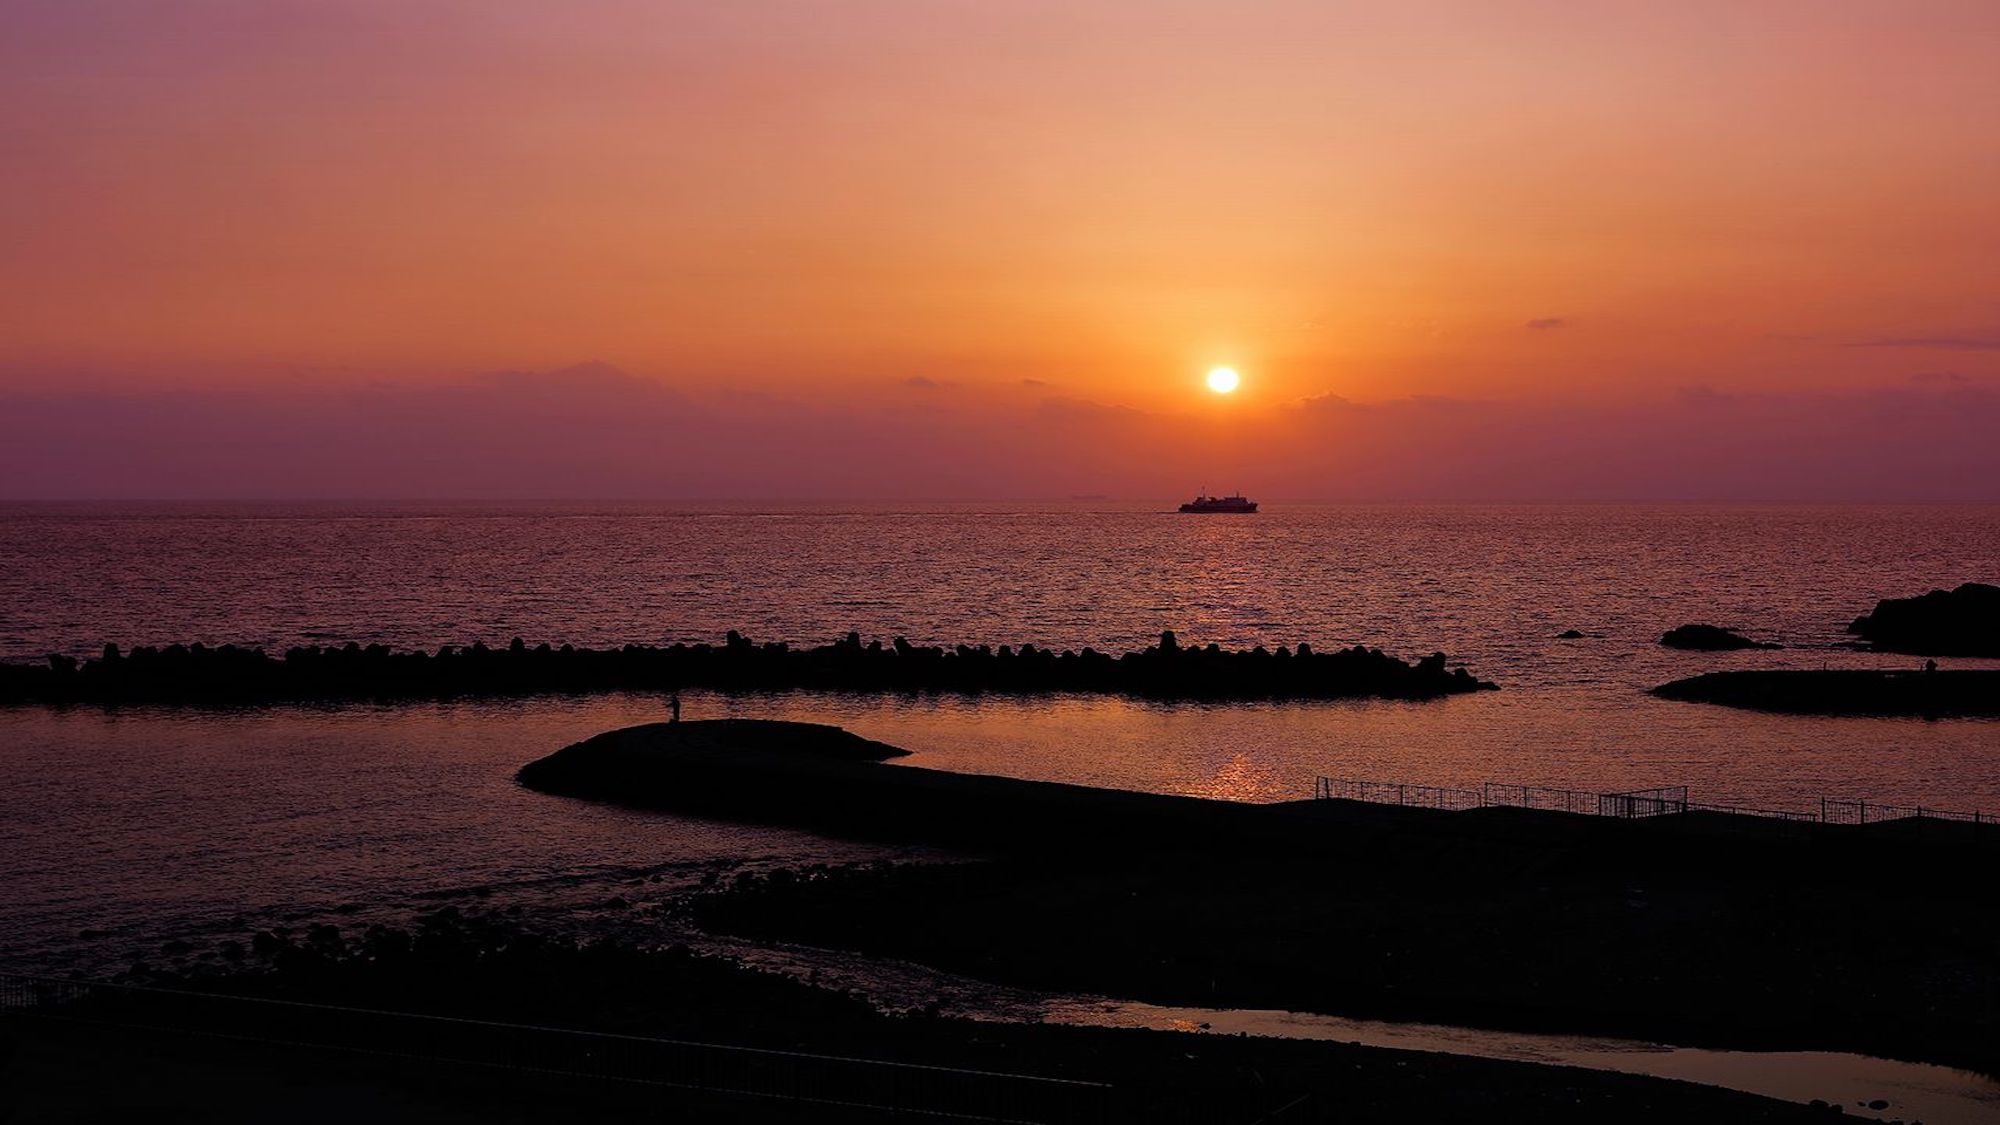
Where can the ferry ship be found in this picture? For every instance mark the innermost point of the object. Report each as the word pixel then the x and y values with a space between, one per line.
pixel 1239 505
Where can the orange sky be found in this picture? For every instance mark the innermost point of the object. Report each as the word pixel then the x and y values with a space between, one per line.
pixel 821 202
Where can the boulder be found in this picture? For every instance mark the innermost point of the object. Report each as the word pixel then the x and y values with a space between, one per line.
pixel 1710 638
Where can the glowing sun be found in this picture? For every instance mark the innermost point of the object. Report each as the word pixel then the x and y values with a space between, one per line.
pixel 1223 380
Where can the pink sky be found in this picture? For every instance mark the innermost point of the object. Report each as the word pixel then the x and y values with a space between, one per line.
pixel 1457 249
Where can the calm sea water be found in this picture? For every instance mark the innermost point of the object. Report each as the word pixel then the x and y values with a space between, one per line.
pixel 124 827
pixel 1490 584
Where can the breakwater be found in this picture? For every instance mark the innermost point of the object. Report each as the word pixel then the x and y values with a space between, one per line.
pixel 227 674
pixel 1922 694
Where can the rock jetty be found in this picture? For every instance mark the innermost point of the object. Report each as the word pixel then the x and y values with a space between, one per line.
pixel 1920 694
pixel 197 674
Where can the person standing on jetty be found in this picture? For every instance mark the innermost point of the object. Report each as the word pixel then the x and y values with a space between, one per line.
pixel 674 704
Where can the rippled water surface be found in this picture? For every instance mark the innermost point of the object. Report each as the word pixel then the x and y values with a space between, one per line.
pixel 127 824
pixel 1489 584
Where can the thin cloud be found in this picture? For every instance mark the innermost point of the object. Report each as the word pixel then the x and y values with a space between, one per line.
pixel 1941 343
pixel 570 436
pixel 1544 323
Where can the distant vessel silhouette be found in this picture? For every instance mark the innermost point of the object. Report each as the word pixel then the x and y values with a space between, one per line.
pixel 1238 504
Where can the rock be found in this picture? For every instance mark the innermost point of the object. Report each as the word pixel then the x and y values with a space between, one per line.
pixel 1709 638
pixel 1571 635
pixel 1961 622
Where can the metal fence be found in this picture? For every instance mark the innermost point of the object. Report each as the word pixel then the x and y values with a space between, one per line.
pixel 1842 811
pixel 1639 802
pixel 909 1089
pixel 1395 793
pixel 1742 810
pixel 1642 802
pixel 1662 801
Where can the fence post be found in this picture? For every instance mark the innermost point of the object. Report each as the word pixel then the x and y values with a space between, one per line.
pixel 1822 810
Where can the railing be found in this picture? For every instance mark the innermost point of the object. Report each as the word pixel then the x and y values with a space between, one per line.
pixel 867 1084
pixel 1643 802
pixel 1663 801
pixel 1743 810
pixel 1394 793
pixel 1639 802
pixel 1843 811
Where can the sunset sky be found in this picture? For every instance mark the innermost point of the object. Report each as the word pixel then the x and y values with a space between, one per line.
pixel 1457 250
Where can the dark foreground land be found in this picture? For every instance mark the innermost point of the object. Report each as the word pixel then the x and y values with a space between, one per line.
pixel 197 674
pixel 1935 694
pixel 215 1056
pixel 1697 928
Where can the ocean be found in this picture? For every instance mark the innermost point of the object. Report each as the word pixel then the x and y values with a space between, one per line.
pixel 126 828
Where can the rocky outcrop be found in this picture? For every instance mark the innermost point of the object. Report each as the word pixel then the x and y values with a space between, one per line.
pixel 1961 622
pixel 1710 638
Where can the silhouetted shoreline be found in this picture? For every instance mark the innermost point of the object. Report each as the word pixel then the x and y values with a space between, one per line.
pixel 1700 928
pixel 196 674
pixel 480 968
pixel 1919 694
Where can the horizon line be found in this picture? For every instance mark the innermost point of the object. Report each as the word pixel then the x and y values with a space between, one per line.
pixel 1546 501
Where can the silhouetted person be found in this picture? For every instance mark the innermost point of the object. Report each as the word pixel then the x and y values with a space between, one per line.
pixel 1930 665
pixel 675 704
